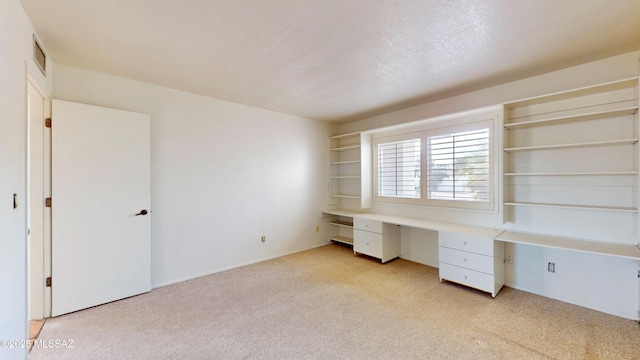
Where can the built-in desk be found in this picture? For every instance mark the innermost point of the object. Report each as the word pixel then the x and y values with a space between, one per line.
pixel 468 255
pixel 431 224
pixel 473 255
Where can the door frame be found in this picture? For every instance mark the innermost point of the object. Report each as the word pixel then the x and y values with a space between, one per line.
pixel 39 246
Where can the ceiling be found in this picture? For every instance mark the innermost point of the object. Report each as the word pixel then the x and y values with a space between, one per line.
pixel 332 60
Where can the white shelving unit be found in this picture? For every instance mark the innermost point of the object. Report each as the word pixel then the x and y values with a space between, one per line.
pixel 593 247
pixel 627 110
pixel 574 145
pixel 342 223
pixel 350 183
pixel 569 154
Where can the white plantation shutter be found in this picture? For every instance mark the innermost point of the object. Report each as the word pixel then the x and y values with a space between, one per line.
pixel 399 169
pixel 459 167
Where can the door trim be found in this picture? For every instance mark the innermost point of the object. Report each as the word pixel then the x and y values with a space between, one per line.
pixel 39 252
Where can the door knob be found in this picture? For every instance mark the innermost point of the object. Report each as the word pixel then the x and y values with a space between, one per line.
pixel 142 212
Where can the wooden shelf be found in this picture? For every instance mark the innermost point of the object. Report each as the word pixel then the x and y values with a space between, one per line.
pixel 593 173
pixel 346 224
pixel 573 118
pixel 345 196
pixel 626 251
pixel 579 92
pixel 574 145
pixel 349 147
pixel 343 136
pixel 342 239
pixel 579 207
pixel 345 162
pixel 350 170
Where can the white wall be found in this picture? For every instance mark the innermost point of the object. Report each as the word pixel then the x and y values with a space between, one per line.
pixel 609 69
pixel 598 282
pixel 222 175
pixel 15 63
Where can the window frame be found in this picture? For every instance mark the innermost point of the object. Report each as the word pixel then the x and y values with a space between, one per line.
pixel 439 128
pixel 392 139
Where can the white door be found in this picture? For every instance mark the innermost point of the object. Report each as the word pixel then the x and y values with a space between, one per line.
pixel 100 205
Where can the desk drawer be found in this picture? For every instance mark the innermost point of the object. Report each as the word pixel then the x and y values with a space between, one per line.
pixel 474 279
pixel 368 243
pixel 367 224
pixel 467 260
pixel 465 242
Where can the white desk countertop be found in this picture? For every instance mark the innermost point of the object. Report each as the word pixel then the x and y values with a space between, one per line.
pixel 626 251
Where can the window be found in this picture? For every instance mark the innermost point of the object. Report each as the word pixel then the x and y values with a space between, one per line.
pixel 399 169
pixel 458 167
pixel 448 166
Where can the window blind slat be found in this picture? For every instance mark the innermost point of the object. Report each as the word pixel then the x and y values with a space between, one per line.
pixel 458 167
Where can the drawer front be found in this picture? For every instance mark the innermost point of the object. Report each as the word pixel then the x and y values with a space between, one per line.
pixel 368 243
pixel 467 260
pixel 471 243
pixel 474 279
pixel 367 224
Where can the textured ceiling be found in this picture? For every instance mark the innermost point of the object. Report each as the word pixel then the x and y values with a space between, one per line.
pixel 333 60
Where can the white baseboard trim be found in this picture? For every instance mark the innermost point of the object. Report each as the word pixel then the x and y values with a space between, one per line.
pixel 635 317
pixel 166 283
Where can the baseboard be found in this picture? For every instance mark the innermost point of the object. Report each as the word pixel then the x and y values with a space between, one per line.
pixel 162 284
pixel 635 317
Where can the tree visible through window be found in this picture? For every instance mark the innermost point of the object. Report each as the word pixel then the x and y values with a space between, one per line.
pixel 458 167
pixel 441 164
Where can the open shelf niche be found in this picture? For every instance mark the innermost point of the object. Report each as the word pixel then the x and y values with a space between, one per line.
pixel 341 222
pixel 570 154
pixel 350 182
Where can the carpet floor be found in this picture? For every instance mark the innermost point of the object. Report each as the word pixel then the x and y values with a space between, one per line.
pixel 327 303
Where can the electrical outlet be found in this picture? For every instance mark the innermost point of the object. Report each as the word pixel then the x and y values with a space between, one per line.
pixel 508 259
pixel 263 238
pixel 551 267
pixel 317 228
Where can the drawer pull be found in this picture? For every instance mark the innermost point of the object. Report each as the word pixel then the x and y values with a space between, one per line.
pixel 465 259
pixel 465 276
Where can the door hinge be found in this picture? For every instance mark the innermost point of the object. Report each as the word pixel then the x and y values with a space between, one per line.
pixel 47 202
pixel 48 281
pixel 47 122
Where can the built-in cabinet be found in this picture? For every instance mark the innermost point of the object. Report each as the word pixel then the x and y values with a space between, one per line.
pixel 370 237
pixel 376 238
pixel 471 260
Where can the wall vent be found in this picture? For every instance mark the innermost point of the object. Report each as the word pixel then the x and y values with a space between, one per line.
pixel 39 56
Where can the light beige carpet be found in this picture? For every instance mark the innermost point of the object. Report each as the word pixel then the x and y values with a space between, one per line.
pixel 327 303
